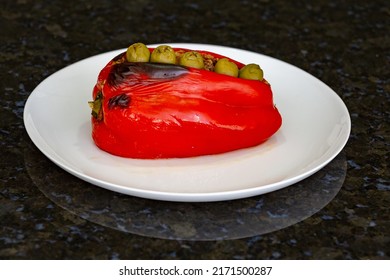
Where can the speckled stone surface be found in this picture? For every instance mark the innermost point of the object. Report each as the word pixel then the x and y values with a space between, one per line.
pixel 342 212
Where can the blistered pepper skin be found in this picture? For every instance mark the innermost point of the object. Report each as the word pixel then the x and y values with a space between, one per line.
pixel 152 111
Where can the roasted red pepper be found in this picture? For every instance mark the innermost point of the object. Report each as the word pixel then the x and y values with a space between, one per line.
pixel 150 110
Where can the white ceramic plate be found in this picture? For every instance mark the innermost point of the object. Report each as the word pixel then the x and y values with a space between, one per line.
pixel 316 126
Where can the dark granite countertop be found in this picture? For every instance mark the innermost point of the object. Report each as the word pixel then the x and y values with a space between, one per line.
pixel 341 212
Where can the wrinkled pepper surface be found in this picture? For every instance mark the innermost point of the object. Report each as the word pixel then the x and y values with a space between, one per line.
pixel 150 110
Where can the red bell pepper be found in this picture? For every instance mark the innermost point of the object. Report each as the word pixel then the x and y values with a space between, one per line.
pixel 148 110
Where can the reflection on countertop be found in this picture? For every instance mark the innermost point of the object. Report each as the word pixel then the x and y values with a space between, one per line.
pixel 188 221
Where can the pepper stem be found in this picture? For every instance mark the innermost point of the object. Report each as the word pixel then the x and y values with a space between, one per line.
pixel 96 107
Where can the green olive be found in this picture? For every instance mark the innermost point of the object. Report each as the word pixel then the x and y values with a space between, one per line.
pixel 138 52
pixel 192 59
pixel 251 72
pixel 163 54
pixel 225 66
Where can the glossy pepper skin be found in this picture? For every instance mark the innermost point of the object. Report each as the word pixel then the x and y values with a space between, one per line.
pixel 150 111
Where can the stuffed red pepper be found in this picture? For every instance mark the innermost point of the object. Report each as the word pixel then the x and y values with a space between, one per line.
pixel 168 102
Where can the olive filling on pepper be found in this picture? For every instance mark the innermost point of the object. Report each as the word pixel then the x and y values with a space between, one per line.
pixel 139 52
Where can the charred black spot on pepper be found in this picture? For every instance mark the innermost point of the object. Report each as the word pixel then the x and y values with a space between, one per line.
pixel 121 100
pixel 165 71
pixel 144 73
